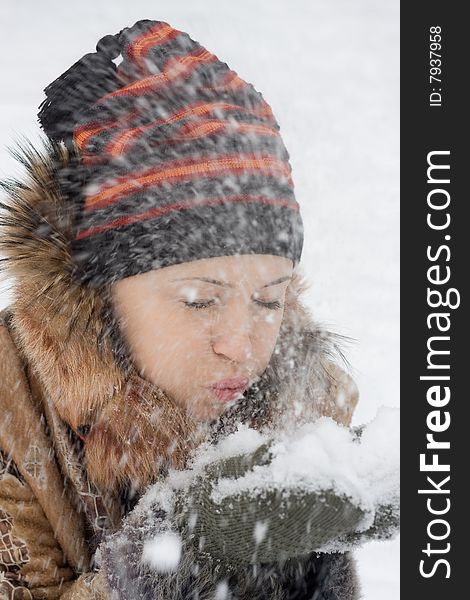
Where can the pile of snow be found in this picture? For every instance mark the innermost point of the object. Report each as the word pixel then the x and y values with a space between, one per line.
pixel 322 456
pixel 318 456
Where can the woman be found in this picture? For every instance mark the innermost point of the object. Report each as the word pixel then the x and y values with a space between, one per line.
pixel 154 248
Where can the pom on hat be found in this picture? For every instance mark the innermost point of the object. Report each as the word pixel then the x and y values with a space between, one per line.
pixel 71 94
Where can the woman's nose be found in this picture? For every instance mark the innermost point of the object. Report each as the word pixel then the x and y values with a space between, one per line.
pixel 232 335
pixel 234 345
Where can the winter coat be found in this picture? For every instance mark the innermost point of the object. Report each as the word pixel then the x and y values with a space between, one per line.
pixel 72 406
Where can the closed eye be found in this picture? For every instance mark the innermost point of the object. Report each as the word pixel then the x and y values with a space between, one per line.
pixel 199 305
pixel 275 305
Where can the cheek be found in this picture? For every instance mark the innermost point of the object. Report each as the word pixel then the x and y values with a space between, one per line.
pixel 171 348
pixel 267 328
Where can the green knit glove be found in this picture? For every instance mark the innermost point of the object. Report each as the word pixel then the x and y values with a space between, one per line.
pixel 386 524
pixel 270 526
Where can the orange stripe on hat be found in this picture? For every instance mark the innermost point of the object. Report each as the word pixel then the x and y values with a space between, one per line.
pixel 155 36
pixel 179 170
pixel 196 130
pixel 230 81
pixel 176 69
pixel 83 133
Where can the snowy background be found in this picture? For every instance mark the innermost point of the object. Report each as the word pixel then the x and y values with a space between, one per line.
pixel 330 70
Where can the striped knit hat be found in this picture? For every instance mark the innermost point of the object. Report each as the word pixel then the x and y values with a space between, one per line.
pixel 178 157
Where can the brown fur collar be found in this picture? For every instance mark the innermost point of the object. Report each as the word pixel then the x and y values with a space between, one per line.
pixel 63 331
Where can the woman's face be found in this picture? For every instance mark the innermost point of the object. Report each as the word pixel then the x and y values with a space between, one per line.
pixel 194 325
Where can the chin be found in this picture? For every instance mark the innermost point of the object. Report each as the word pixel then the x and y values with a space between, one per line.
pixel 204 408
pixel 207 413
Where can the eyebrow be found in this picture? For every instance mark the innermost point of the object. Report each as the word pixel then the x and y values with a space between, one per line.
pixel 229 285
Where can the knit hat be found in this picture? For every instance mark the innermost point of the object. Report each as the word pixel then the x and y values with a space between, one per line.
pixel 177 157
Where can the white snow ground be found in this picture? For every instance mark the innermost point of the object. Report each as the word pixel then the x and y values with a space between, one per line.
pixel 330 70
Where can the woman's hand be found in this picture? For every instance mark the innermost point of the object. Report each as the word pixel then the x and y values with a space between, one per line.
pixel 264 526
pixel 239 525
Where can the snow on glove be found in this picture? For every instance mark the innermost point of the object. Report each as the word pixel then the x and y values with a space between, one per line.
pixel 269 526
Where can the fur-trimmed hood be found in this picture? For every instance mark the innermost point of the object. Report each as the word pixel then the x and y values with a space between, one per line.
pixel 68 335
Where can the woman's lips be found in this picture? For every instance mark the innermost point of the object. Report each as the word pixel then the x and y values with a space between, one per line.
pixel 230 389
pixel 227 394
pixel 233 383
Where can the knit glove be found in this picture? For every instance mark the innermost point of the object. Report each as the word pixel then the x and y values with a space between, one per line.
pixel 271 525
